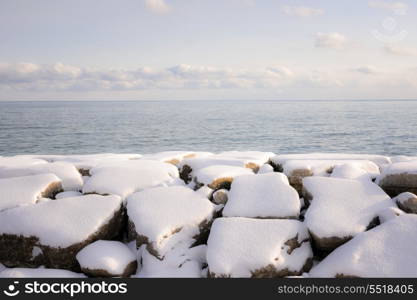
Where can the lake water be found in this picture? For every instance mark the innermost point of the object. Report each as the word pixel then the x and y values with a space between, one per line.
pixel 377 127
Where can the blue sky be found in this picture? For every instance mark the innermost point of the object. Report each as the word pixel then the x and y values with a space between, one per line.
pixel 207 49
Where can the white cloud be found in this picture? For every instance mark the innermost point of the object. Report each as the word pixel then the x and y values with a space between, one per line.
pixel 331 40
pixel 400 50
pixel 398 8
pixel 302 11
pixel 158 6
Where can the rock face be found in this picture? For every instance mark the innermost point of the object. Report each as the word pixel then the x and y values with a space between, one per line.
pixel 107 259
pixel 242 247
pixel 385 251
pixel 407 202
pixel 399 177
pixel 23 190
pixel 162 217
pixel 262 196
pixel 52 233
pixel 341 208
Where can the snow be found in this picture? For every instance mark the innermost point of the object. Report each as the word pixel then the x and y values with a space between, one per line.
pixel 60 223
pixel 110 256
pixel 385 251
pixel 70 177
pixel 402 158
pixel 350 171
pixel 266 168
pixel 262 196
pixel 179 263
pixel 166 215
pixel 404 197
pixel 173 157
pixel 406 167
pixel 38 273
pixel 239 246
pixel 389 213
pixel 255 157
pixel 17 191
pixel 205 191
pixel 377 159
pixel 323 167
pixel 210 174
pixel 342 207
pixel 127 177
pixel 68 194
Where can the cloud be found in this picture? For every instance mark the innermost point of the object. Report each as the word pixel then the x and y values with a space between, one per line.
pixel 158 6
pixel 367 70
pixel 331 40
pixel 302 11
pixel 398 8
pixel 400 50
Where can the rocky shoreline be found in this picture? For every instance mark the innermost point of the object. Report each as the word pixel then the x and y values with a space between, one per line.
pixel 199 214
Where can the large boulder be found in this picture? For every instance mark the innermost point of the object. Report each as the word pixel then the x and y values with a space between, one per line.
pixel 407 202
pixel 128 177
pixel 51 233
pixel 388 250
pixel 24 190
pixel 242 247
pixel 399 177
pixel 262 196
pixel 341 209
pixel 162 217
pixel 219 176
pixel 107 259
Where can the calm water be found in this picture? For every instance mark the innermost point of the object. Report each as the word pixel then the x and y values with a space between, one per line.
pixel 383 127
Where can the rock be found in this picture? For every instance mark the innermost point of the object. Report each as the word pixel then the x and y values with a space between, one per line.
pixel 266 168
pixel 107 259
pixel 218 176
pixel 38 273
pixel 262 196
pixel 385 251
pixel 125 178
pixel 341 209
pixel 51 233
pixel 220 196
pixel 399 177
pixel 407 202
pixel 242 247
pixel 24 190
pixel 162 217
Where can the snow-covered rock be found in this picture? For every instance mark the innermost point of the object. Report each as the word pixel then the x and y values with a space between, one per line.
pixel 51 233
pixel 220 196
pixel 219 176
pixel 341 208
pixel 399 177
pixel 161 217
pixel 107 259
pixel 242 247
pixel 407 202
pixel 70 177
pixel 265 168
pixel 16 191
pixel 262 196
pixel 389 213
pixel 388 250
pixel 38 273
pixel 68 194
pixel 126 178
pixel 172 157
pixel 350 171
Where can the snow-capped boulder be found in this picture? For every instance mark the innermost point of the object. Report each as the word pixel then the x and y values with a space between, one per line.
pixel 16 191
pixel 407 202
pixel 38 273
pixel 70 177
pixel 107 259
pixel 220 196
pixel 399 177
pixel 265 168
pixel 51 233
pixel 161 217
pixel 68 194
pixel 128 177
pixel 350 171
pixel 389 213
pixel 242 247
pixel 388 250
pixel 341 208
pixel 172 157
pixel 262 196
pixel 219 176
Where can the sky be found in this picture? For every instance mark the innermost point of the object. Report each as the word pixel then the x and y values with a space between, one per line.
pixel 207 49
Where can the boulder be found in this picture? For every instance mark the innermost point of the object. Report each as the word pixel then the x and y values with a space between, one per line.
pixel 399 177
pixel 51 233
pixel 165 216
pixel 407 202
pixel 242 247
pixel 220 196
pixel 38 273
pixel 262 196
pixel 219 176
pixel 107 259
